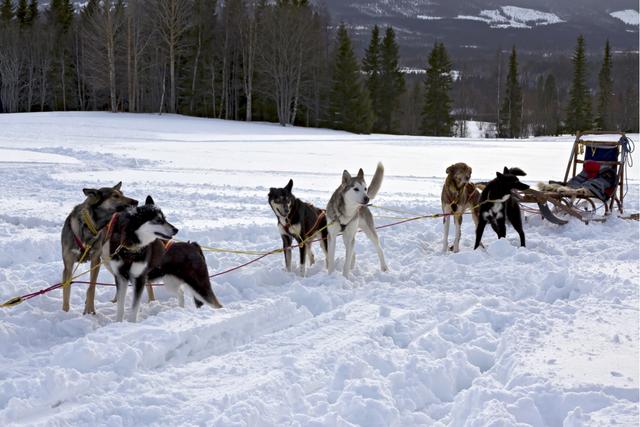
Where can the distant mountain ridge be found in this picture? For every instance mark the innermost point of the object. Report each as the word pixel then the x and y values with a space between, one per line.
pixel 480 26
pixel 533 25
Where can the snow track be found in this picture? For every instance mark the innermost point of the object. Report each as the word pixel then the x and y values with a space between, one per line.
pixel 545 335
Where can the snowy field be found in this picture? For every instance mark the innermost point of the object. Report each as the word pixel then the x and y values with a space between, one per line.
pixel 545 335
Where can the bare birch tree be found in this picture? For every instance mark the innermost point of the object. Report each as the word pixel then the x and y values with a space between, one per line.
pixel 281 55
pixel 10 69
pixel 172 18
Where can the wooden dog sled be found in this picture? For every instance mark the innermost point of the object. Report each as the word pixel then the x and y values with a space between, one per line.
pixel 591 192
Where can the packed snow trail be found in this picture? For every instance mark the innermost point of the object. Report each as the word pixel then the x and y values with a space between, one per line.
pixel 545 335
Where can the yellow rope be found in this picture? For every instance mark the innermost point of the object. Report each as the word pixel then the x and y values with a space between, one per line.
pixel 88 221
pixel 224 250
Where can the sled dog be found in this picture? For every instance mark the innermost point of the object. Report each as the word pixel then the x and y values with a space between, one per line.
pixel 130 250
pixel 82 236
pixel 298 221
pixel 347 212
pixel 459 195
pixel 135 255
pixel 497 205
pixel 182 264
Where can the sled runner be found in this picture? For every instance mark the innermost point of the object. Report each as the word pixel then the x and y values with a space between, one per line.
pixel 591 193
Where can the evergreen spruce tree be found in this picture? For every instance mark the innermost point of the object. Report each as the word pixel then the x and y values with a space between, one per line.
pixel 371 67
pixel 60 16
pixel 538 111
pixel 579 107
pixel 32 15
pixel 6 11
pixel 349 105
pixel 436 112
pixel 605 91
pixel 551 108
pixel 510 125
pixel 391 84
pixel 22 13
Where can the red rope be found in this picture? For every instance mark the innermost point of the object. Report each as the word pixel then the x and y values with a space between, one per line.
pixel 238 267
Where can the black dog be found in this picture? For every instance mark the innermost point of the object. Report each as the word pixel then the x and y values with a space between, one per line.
pixel 182 264
pixel 132 250
pixel 300 221
pixel 497 205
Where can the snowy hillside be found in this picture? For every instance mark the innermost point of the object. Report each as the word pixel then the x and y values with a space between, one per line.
pixel 540 26
pixel 545 335
pixel 628 16
pixel 512 16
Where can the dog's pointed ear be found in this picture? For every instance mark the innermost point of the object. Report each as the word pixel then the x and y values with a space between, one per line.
pixel 117 186
pixel 346 176
pixel 505 170
pixel 499 175
pixel 289 186
pixel 470 170
pixel 449 170
pixel 149 201
pixel 360 174
pixel 93 195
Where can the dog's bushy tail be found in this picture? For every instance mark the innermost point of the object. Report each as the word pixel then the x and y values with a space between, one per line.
pixel 376 181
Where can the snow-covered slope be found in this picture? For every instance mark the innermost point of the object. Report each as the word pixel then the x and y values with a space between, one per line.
pixel 628 16
pixel 532 25
pixel 512 16
pixel 545 335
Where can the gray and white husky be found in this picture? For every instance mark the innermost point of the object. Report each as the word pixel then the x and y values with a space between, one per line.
pixel 347 213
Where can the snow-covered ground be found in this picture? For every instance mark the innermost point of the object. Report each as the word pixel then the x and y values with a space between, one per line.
pixel 545 335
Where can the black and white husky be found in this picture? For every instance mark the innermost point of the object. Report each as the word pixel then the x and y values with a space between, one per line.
pixel 497 205
pixel 298 221
pixel 136 254
pixel 347 213
pixel 183 265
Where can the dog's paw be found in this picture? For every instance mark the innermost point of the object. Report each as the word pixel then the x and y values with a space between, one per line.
pixel 89 310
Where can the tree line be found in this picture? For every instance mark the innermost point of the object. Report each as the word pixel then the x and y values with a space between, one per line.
pixel 579 111
pixel 277 61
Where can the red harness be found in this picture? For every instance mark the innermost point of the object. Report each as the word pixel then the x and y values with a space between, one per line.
pixel 313 229
pixel 110 225
pixel 112 221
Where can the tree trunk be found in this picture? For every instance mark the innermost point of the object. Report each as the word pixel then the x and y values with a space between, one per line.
pixel 195 71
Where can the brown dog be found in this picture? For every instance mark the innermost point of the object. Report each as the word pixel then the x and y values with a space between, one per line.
pixel 458 196
pixel 82 236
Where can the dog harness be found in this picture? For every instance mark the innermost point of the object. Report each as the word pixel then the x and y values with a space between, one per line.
pixel 314 228
pixel 88 222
